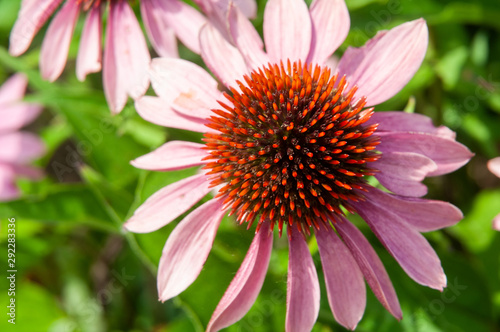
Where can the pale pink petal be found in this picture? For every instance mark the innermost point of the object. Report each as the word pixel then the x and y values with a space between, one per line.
pixel 344 281
pixel 88 59
pixel 302 294
pixel 55 46
pixel 155 110
pixel 8 189
pixel 17 115
pixel 155 20
pixel 185 86
pixel 371 266
pixel 187 249
pixel 330 26
pixel 247 7
pixel 402 172
pixel 424 215
pixel 32 16
pixel 126 57
pixel 496 223
pixel 494 166
pixel 405 243
pixel 13 89
pixel 246 285
pixel 247 39
pixel 410 122
pixel 222 58
pixel 172 156
pixel 448 154
pixel 29 172
pixel 387 62
pixel 287 30
pixel 20 147
pixel 167 204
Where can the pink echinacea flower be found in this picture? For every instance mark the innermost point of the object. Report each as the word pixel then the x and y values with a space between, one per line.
pixel 18 148
pixel 289 144
pixel 126 56
pixel 494 167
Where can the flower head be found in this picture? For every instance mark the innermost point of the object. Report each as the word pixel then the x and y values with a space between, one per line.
pixel 126 55
pixel 18 148
pixel 494 167
pixel 289 144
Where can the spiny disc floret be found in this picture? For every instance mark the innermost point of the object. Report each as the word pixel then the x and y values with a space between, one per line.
pixel 291 148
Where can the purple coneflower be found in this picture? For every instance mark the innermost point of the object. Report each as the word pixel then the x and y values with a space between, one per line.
pixel 289 145
pixel 126 55
pixel 494 167
pixel 18 148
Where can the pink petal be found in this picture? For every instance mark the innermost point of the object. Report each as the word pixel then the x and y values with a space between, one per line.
pixel 287 30
pixel 88 59
pixel 160 34
pixel 17 115
pixel 494 166
pixel 405 243
pixel 13 89
pixel 496 223
pixel 185 86
pixel 402 172
pixel 8 188
pixel 29 172
pixel 20 147
pixel 410 122
pixel 55 46
pixel 387 62
pixel 154 109
pixel 303 294
pixel 371 266
pixel 167 204
pixel 247 39
pixel 344 281
pixel 424 215
pixel 330 26
pixel 187 249
pixel 126 57
pixel 223 59
pixel 172 156
pixel 448 154
pixel 247 7
pixel 32 16
pixel 246 285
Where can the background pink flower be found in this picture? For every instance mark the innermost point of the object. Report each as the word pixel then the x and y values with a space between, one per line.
pixel 494 167
pixel 126 55
pixel 18 148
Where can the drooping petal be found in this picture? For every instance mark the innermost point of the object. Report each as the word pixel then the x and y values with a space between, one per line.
pixel 494 166
pixel 161 35
pixel 154 109
pixel 187 249
pixel 387 62
pixel 247 39
pixel 246 285
pixel 89 59
pixel 287 30
pixel 496 223
pixel 344 281
pixel 402 172
pixel 20 147
pixel 55 46
pixel 371 266
pixel 17 115
pixel 302 294
pixel 184 86
pixel 412 251
pixel 13 89
pixel 8 189
pixel 448 154
pixel 424 215
pixel 330 26
pixel 222 58
pixel 410 122
pixel 126 57
pixel 171 156
pixel 167 204
pixel 32 16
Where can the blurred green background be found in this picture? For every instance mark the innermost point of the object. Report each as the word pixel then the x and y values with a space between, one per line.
pixel 78 271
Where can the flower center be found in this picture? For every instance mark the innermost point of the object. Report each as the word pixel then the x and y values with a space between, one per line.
pixel 292 147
